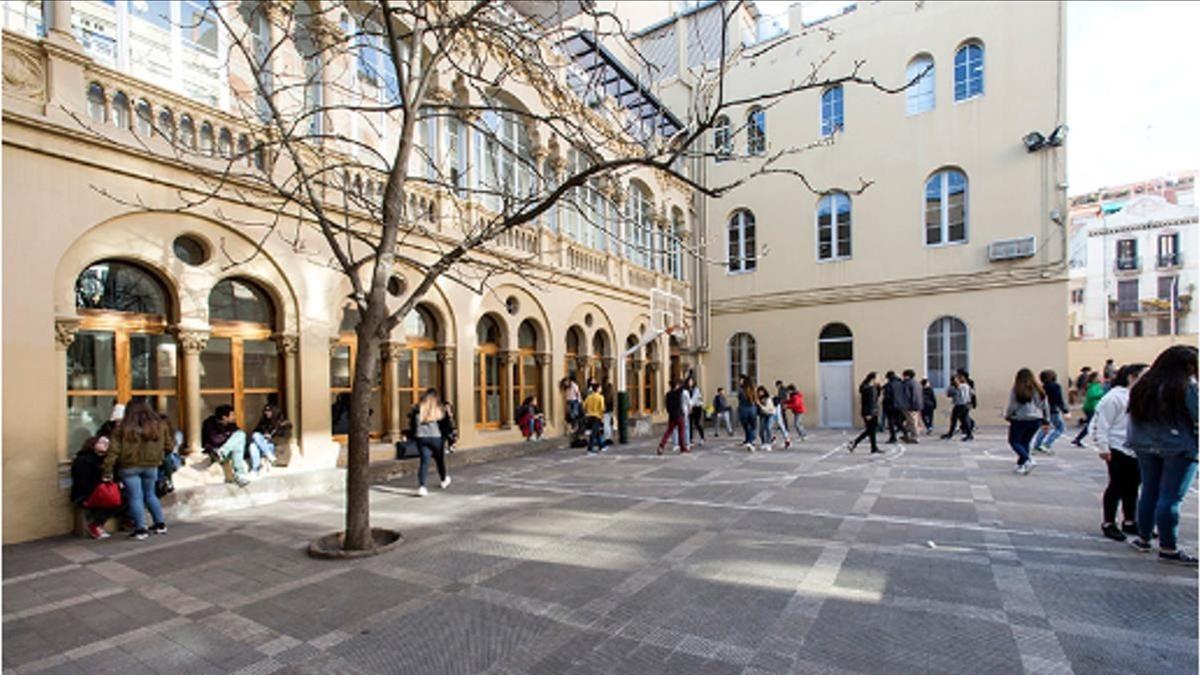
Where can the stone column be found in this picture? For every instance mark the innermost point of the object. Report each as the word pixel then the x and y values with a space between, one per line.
pixel 545 391
pixel 56 16
pixel 65 329
pixel 445 357
pixel 391 353
pixel 192 342
pixel 289 346
pixel 507 359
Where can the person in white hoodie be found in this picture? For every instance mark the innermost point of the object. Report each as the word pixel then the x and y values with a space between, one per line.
pixel 1107 432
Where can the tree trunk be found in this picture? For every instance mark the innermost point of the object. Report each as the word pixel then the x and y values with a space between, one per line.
pixel 358 456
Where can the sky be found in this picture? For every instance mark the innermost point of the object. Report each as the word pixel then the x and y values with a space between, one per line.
pixel 1133 98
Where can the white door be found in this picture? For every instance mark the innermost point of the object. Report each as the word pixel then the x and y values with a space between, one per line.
pixel 837 394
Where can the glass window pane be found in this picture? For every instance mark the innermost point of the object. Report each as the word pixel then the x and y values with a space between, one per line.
pixel 404 369
pixel 260 360
pixel 209 403
pixel 406 405
pixel 153 360
pixel 339 367
pixel 119 287
pixel 427 369
pixel 216 364
pixel 91 361
pixel 233 300
pixel 252 407
pixel 85 414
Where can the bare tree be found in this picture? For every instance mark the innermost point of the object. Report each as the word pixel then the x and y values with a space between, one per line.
pixel 338 97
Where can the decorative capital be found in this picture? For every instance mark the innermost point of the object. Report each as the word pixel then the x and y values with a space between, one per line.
pixel 539 153
pixel 64 332
pixel 445 354
pixel 191 341
pixel 542 359
pixel 581 362
pixel 638 362
pixel 653 366
pixel 287 344
pixel 507 358
pixel 392 351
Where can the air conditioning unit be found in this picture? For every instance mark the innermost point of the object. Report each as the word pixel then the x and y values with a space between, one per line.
pixel 1012 249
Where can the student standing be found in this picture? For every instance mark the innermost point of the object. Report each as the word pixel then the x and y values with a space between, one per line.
pixel 695 401
pixel 913 400
pixel 795 403
pixel 766 413
pixel 893 390
pixel 721 413
pixel 868 392
pixel 139 444
pixel 676 418
pixel 1044 442
pixel 780 401
pixel 1095 392
pixel 593 415
pixel 1026 411
pixel 747 410
pixel 1109 428
pixel 1162 431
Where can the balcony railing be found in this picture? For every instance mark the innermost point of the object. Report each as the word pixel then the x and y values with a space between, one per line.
pixel 1169 260
pixel 1128 264
pixel 1150 306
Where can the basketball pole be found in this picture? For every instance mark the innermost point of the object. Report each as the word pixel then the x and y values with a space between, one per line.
pixel 622 390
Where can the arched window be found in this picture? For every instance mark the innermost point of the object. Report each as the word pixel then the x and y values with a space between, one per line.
pixel 633 374
pixel 833 227
pixel 919 97
pixel 96 103
pixel 946 208
pixel 240 364
pixel 120 110
pixel 968 71
pixel 487 373
pixel 836 343
pixel 187 132
pixel 145 118
pixel 639 211
pixel 526 375
pixel 599 357
pixel 743 359
pixel 946 350
pixel 166 124
pixel 225 143
pixel 243 148
pixel 206 139
pixel 342 357
pixel 742 256
pixel 417 364
pixel 722 139
pixel 575 341
pixel 756 132
pixel 122 350
pixel 832 110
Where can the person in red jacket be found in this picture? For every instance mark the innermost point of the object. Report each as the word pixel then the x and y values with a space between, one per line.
pixel 795 403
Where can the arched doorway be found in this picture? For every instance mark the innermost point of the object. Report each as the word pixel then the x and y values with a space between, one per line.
pixel 417 367
pixel 488 413
pixel 526 375
pixel 835 354
pixel 122 350
pixel 342 358
pixel 599 357
pixel 240 365
pixel 575 342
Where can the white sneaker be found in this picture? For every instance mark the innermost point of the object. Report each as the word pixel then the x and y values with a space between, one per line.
pixel 749 447
pixel 1023 469
pixel 1031 463
pixel 446 483
pixel 675 448
pixel 421 491
pixel 767 447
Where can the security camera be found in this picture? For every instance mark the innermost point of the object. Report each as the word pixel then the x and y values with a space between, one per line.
pixel 1034 141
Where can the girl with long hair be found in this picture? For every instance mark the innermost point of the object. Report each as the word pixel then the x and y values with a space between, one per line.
pixel 139 444
pixel 766 412
pixel 1027 411
pixel 1162 431
pixel 271 427
pixel 747 409
pixel 430 430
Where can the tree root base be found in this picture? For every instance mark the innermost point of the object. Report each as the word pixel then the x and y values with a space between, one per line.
pixel 329 547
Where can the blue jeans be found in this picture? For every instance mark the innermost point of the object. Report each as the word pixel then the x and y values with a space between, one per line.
pixel 595 433
pixel 1165 482
pixel 748 418
pixel 430 447
pixel 1019 434
pixel 781 419
pixel 1047 440
pixel 260 446
pixel 764 428
pixel 234 451
pixel 140 484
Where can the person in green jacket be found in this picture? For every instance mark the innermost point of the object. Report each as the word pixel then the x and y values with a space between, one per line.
pixel 1091 399
pixel 139 444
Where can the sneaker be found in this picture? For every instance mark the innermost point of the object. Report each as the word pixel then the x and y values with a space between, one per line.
pixel 659 450
pixel 876 451
pixel 852 446
pixel 159 528
pixel 241 481
pixel 140 535
pixel 1023 469
pixel 968 438
pixel 945 437
pixel 1041 448
pixel 1077 444
pixel 446 482
pixel 1129 528
pixel 674 448
pixel 97 531
pixel 1140 544
pixel 685 452
pixel 1112 532
pixel 422 491
pixel 1178 557
pixel 1031 463
pixel 749 447
pixel 787 444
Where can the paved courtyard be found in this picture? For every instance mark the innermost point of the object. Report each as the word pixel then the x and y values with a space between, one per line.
pixel 931 558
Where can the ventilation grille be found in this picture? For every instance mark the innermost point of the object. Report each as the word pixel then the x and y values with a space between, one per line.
pixel 1012 249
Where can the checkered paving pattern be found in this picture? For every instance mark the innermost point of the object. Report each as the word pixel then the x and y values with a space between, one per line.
pixel 931 558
